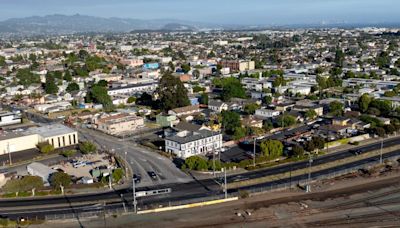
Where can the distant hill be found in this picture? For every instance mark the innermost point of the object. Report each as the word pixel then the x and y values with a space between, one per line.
pixel 62 24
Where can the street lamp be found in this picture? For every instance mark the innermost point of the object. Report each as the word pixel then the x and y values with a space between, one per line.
pixel 134 196
pixel 310 160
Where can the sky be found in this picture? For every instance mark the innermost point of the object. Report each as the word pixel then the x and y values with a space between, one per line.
pixel 245 12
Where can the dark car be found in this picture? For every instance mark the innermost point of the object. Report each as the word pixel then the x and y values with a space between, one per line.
pixel 356 151
pixel 137 178
pixel 153 175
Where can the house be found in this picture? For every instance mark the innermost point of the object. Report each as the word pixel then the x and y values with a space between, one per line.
pixel 185 144
pixel 217 106
pixel 183 111
pixel 341 121
pixel 267 113
pixel 185 126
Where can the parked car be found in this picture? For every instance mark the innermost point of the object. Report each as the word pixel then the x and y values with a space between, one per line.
pixel 153 175
pixel 137 178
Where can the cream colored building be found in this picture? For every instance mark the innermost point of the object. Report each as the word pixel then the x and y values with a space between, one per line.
pixel 120 124
pixel 57 135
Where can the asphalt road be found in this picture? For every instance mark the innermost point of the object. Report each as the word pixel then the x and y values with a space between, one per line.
pixel 140 160
pixel 180 191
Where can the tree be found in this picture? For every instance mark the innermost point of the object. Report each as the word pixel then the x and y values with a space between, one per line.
pixel 72 87
pixel 240 132
pixel 204 99
pixel 311 114
pixel 60 179
pixel 267 100
pixel 336 108
pixel 380 131
pixel 26 77
pixel 389 94
pixel 298 151
pixel 131 100
pixel 390 129
pixel 318 142
pixel 50 86
pixel 145 99
pixel 45 147
pixel 2 61
pixel 231 87
pixel 27 183
pixel 102 83
pixel 285 120
pixel 363 102
pixel 310 146
pixel 172 93
pixel 272 148
pixel 99 95
pixel 87 147
pixel 186 68
pixel 117 175
pixel 251 108
pixel 385 107
pixel 67 76
pixel 196 163
pixel 230 121
pixel 68 153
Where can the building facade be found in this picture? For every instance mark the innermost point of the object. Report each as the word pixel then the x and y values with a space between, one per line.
pixel 186 144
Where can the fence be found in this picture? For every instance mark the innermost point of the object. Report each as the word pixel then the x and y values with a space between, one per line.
pixel 280 184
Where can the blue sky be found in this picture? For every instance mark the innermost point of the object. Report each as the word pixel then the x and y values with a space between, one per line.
pixel 218 11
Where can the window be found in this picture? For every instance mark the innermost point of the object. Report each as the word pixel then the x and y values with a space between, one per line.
pixel 74 138
pixel 69 136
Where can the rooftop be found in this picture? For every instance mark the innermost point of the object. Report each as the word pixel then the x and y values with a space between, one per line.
pixel 50 130
pixel 192 136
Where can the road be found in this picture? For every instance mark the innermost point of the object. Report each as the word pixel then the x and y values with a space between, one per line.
pixel 180 192
pixel 140 160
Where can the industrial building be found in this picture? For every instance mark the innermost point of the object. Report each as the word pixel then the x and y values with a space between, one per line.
pixel 57 135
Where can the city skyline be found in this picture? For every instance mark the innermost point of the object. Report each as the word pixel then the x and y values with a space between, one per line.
pixel 254 12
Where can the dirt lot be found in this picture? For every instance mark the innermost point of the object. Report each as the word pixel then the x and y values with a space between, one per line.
pixel 354 200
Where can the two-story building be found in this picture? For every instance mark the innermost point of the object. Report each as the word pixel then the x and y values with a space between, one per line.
pixel 185 144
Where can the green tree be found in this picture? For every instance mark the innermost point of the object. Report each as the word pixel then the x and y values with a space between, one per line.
pixel 50 87
pixel 67 76
pixel 380 131
pixel 336 108
pixel 311 114
pixel 240 132
pixel 267 100
pixel 99 95
pixel 2 61
pixel 27 183
pixel 87 147
pixel 230 121
pixel 72 87
pixel 172 93
pixel 131 100
pixel 272 148
pixel 363 102
pixel 298 151
pixel 68 153
pixel 26 77
pixel 186 68
pixel 117 175
pixel 196 163
pixel 145 99
pixel 204 99
pixel 45 147
pixel 231 87
pixel 286 119
pixel 60 179
pixel 251 108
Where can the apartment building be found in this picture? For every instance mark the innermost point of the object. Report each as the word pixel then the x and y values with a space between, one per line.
pixel 191 143
pixel 238 65
pixel 9 118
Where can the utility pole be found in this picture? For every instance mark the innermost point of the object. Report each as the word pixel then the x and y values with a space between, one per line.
pixel 308 188
pixel 225 186
pixel 109 178
pixel 9 153
pixel 381 152
pixel 254 152
pixel 134 196
pixel 213 152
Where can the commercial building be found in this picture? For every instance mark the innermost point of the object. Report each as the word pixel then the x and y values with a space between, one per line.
pixel 131 89
pixel 57 135
pixel 119 124
pixel 186 143
pixel 9 118
pixel 40 170
pixel 238 65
